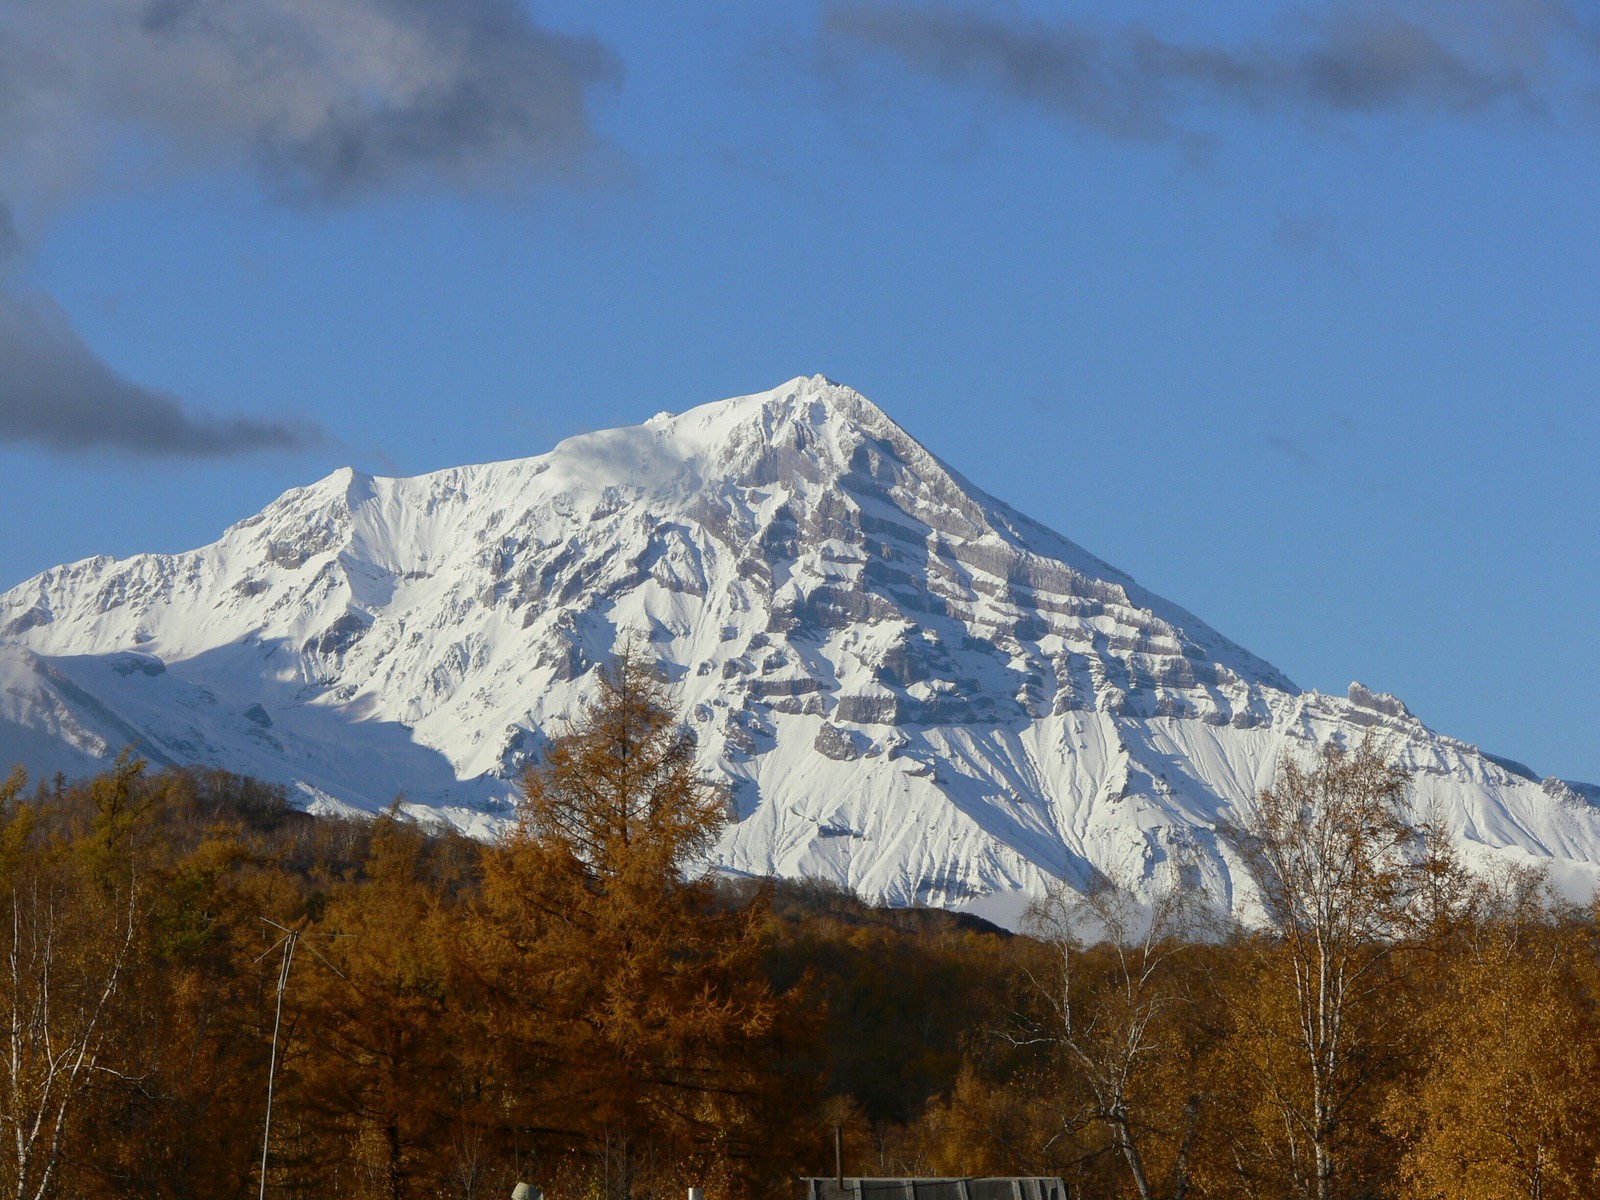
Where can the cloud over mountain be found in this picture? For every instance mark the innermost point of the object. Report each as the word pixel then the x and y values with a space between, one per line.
pixel 326 102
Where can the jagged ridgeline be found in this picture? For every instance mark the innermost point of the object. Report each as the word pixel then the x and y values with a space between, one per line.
pixel 908 686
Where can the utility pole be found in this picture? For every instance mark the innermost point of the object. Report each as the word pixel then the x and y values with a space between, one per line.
pixel 289 941
pixel 290 938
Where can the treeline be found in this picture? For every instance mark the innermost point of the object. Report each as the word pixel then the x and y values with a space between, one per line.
pixel 434 1017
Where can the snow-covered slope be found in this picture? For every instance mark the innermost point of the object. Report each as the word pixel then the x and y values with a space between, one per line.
pixel 908 686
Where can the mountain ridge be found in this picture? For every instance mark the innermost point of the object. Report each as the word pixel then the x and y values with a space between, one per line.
pixel 908 685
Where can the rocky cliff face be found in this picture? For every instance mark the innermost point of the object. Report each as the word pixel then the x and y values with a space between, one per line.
pixel 907 686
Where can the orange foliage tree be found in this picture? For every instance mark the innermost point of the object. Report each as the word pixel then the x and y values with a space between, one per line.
pixel 1507 1105
pixel 633 997
pixel 1342 878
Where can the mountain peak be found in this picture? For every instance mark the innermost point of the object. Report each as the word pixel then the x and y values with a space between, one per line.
pixel 906 685
pixel 813 400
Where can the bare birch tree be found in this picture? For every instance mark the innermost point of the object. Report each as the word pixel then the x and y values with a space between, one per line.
pixel 1342 875
pixel 1109 1035
pixel 67 939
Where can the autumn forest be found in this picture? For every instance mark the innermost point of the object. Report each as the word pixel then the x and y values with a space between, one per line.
pixel 206 992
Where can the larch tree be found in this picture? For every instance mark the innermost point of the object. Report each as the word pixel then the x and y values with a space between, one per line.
pixel 633 996
pixel 182 1098
pixel 375 999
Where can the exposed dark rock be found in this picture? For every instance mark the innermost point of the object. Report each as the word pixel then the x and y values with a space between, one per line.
pixel 1380 702
pixel 837 744
pixel 31 619
pixel 137 664
pixel 337 639
pixel 867 710
pixel 762 688
pixel 810 705
pixel 828 608
pixel 520 751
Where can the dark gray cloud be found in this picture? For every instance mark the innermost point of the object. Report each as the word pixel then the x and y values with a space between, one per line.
pixel 10 241
pixel 1131 82
pixel 328 100
pixel 55 393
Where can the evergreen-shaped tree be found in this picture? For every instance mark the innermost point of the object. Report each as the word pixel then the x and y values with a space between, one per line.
pixel 619 978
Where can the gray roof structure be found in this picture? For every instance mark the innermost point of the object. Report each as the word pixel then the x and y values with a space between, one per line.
pixel 1005 1187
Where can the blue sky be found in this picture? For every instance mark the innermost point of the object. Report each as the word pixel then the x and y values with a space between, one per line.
pixel 1289 310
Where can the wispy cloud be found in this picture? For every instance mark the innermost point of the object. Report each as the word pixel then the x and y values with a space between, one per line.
pixel 56 393
pixel 1290 448
pixel 1314 235
pixel 1130 81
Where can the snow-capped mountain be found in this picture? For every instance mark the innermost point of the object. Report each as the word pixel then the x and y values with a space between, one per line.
pixel 908 686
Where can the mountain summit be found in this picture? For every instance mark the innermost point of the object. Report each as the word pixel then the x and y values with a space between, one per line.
pixel 909 687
